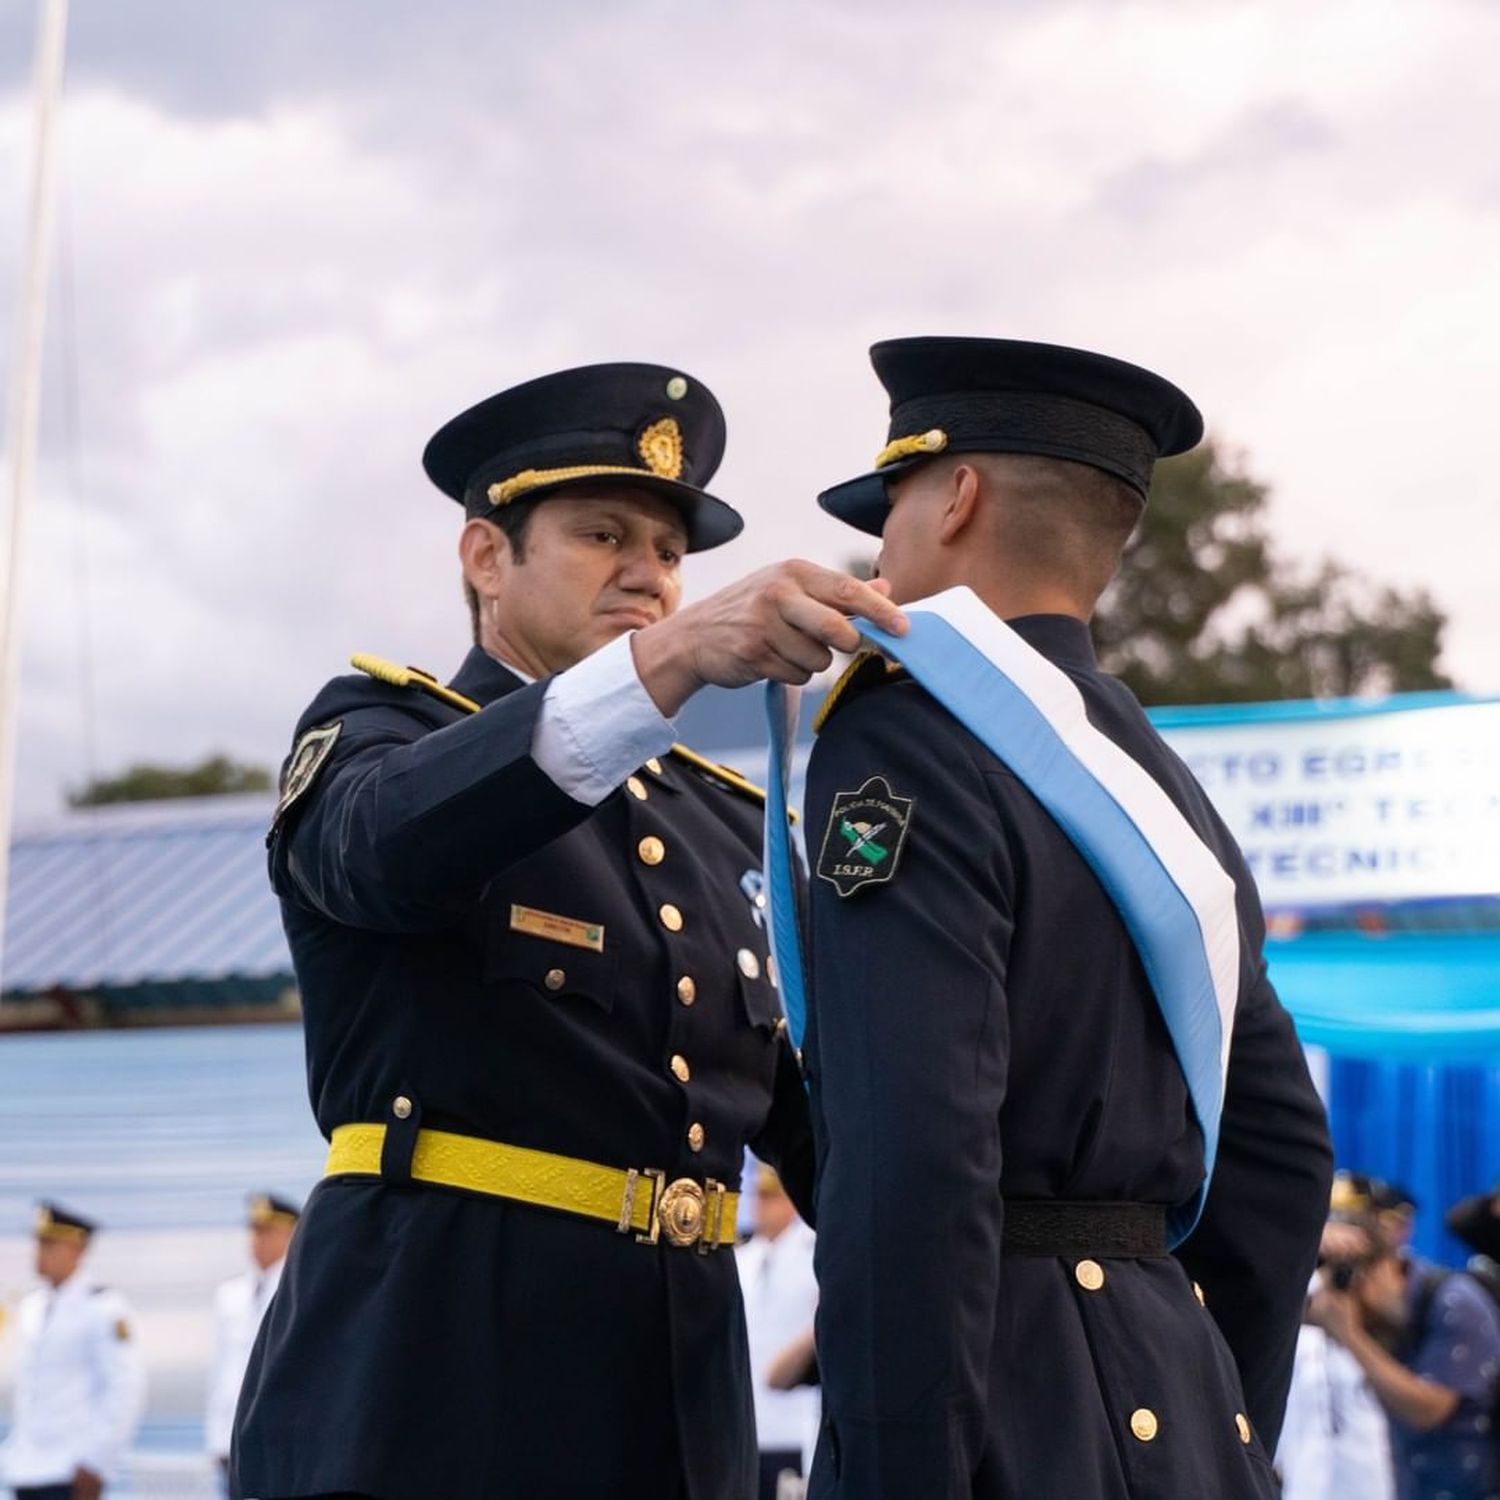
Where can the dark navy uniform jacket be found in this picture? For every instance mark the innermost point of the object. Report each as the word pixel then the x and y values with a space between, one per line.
pixel 431 1343
pixel 981 1030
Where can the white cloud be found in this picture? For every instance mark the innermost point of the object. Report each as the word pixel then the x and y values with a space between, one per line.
pixel 1292 211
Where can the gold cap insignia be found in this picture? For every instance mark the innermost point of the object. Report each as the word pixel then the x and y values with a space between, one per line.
pixel 1345 1197
pixel 934 440
pixel 49 1227
pixel 660 446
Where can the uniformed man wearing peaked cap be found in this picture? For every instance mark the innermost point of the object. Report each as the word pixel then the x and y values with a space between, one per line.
pixel 541 1023
pixel 80 1384
pixel 239 1305
pixel 1035 950
pixel 271 1211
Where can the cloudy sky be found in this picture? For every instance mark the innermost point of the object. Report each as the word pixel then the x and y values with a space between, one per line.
pixel 293 238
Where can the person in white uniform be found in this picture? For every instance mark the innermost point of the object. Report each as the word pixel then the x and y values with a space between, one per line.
pixel 239 1305
pixel 781 1297
pixel 80 1384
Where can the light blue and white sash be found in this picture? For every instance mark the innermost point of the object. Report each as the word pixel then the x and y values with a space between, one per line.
pixel 1176 899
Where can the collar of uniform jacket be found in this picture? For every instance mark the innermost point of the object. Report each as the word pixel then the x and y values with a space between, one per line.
pixel 1060 638
pixel 484 679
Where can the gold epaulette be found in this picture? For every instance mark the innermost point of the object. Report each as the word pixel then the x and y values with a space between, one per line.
pixel 387 671
pixel 725 774
pixel 868 668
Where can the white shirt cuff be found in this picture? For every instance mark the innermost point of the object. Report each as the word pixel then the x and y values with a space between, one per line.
pixel 598 724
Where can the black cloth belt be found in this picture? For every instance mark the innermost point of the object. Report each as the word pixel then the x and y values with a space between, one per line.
pixel 1055 1227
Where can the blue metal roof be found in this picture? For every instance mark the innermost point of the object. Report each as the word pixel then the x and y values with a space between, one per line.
pixel 141 894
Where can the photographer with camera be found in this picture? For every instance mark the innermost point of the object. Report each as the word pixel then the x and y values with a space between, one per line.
pixel 1428 1342
pixel 1336 1440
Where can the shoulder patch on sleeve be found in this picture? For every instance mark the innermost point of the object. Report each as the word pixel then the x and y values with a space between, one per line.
pixel 306 760
pixel 867 670
pixel 865 836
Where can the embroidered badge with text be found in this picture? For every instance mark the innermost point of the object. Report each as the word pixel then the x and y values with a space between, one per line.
pixel 306 761
pixel 865 835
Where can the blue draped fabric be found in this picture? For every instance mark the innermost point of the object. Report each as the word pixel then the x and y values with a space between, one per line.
pixel 1434 1130
pixel 1412 1025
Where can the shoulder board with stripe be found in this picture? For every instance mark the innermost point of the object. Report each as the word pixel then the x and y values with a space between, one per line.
pixel 867 670
pixel 387 671
pixel 726 776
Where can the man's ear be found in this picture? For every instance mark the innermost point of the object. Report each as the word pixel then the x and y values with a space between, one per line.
pixel 961 505
pixel 484 551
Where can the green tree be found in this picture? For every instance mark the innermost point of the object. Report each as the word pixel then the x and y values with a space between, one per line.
pixel 150 783
pixel 1204 610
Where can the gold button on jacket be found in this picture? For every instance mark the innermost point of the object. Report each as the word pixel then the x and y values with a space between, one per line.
pixel 1143 1423
pixel 651 850
pixel 671 918
pixel 1089 1274
pixel 680 1070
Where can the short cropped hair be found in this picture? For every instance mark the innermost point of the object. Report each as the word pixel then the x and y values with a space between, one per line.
pixel 1060 518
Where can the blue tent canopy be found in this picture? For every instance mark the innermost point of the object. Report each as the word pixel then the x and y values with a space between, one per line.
pixel 1416 997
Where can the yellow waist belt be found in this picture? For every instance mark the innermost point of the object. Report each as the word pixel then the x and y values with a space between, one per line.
pixel 683 1211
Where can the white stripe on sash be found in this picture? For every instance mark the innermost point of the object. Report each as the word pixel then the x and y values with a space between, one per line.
pixel 1194 868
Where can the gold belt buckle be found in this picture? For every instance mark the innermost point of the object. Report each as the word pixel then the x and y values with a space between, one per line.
pixel 682 1210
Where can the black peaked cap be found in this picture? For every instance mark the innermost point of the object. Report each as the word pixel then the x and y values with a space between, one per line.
pixel 53 1221
pixel 969 395
pixel 271 1208
pixel 646 425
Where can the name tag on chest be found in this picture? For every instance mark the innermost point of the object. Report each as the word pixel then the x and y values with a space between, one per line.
pixel 546 924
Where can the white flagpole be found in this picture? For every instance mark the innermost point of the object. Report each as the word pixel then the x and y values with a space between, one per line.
pixel 52 26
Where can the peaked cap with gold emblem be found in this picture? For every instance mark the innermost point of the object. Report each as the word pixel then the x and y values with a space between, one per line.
pixel 643 425
pixel 965 395
pixel 266 1209
pixel 54 1222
